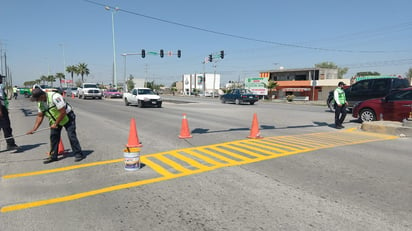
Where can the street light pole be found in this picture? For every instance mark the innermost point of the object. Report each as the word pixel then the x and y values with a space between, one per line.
pixel 114 46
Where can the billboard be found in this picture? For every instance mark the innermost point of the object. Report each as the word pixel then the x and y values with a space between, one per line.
pixel 257 85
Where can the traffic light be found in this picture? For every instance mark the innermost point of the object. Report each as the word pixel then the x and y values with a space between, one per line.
pixel 162 53
pixel 222 54
pixel 210 58
pixel 143 53
pixel 179 53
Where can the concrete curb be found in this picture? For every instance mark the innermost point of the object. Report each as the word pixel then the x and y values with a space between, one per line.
pixel 388 127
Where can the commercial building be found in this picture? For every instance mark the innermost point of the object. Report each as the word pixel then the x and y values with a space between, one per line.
pixel 202 83
pixel 304 83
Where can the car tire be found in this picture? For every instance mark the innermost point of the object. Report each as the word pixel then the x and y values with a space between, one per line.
pixel 223 101
pixel 159 105
pixel 251 103
pixel 367 115
pixel 126 102
pixel 140 103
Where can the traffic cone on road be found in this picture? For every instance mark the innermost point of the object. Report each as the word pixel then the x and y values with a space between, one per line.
pixel 254 131
pixel 184 131
pixel 133 141
pixel 61 150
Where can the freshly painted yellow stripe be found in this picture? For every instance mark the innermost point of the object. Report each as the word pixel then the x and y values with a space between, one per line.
pixel 62 169
pixel 204 158
pixel 253 147
pixel 79 195
pixel 159 169
pixel 190 161
pixel 220 157
pixel 229 153
pixel 235 146
pixel 172 163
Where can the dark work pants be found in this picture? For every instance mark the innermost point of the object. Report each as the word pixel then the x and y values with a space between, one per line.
pixel 6 127
pixel 340 114
pixel 55 136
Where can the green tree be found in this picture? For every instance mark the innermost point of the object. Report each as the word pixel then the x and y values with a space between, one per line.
pixel 331 65
pixel 130 83
pixel 82 70
pixel 60 76
pixel 51 79
pixel 43 79
pixel 71 69
pixel 271 85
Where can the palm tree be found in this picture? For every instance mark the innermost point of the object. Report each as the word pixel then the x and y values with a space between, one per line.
pixel 51 79
pixel 82 70
pixel 43 78
pixel 271 85
pixel 71 69
pixel 60 76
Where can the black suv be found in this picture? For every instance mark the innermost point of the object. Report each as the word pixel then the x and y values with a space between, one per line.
pixel 376 87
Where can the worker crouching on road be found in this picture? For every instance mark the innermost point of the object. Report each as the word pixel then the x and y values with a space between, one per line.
pixel 60 114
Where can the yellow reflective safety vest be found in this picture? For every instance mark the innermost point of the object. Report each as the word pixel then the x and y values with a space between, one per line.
pixel 50 110
pixel 341 95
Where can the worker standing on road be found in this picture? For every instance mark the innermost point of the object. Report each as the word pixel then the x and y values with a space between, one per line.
pixel 15 92
pixel 340 105
pixel 5 119
pixel 60 114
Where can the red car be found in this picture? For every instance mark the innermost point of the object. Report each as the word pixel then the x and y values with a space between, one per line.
pixel 394 107
pixel 112 93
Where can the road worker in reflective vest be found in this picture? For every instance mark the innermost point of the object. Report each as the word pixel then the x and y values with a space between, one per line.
pixel 60 114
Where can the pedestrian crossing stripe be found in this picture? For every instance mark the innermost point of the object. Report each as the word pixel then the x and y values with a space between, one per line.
pixel 194 160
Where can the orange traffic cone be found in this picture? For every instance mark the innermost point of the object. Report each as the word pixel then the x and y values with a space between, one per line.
pixel 61 150
pixel 254 131
pixel 184 131
pixel 133 138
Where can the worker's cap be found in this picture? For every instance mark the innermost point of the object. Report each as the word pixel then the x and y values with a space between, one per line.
pixel 341 84
pixel 36 93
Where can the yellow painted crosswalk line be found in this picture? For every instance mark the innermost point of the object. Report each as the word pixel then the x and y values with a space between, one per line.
pixel 188 160
pixel 204 158
pixel 219 157
pixel 194 160
pixel 156 167
pixel 229 153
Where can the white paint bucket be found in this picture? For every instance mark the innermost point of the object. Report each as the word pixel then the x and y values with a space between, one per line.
pixel 131 159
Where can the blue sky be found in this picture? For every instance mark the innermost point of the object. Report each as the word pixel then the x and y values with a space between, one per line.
pixel 41 37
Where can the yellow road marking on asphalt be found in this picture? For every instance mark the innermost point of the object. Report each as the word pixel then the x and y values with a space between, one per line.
pixel 61 169
pixel 281 146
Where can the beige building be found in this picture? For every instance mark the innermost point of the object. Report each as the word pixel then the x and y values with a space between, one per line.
pixel 304 83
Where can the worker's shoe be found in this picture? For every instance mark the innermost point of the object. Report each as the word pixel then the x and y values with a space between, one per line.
pixel 50 159
pixel 11 147
pixel 79 157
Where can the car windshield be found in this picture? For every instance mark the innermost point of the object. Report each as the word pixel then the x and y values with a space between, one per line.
pixel 146 92
pixel 90 86
pixel 245 91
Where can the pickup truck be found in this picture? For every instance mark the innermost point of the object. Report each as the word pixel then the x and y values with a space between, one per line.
pixel 89 90
pixel 142 97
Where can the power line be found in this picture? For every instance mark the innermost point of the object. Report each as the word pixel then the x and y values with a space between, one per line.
pixel 237 36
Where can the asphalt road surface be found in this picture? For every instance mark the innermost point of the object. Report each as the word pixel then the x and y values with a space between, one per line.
pixel 303 175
